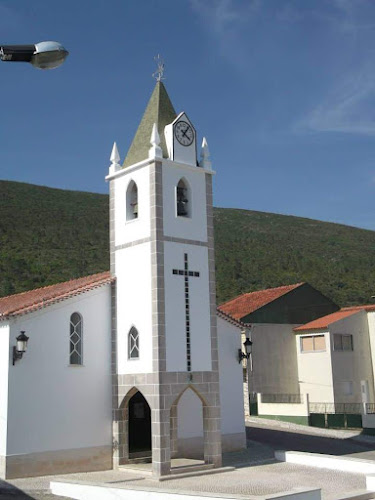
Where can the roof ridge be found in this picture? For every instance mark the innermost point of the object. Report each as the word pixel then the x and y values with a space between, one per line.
pixel 54 284
pixel 263 290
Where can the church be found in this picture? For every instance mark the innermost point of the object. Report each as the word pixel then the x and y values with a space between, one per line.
pixel 134 364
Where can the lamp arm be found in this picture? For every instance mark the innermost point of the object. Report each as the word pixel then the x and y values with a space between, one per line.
pixel 17 53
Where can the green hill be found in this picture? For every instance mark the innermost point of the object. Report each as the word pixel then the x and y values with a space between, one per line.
pixel 49 235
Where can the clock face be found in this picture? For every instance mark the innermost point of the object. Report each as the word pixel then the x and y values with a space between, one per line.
pixel 184 133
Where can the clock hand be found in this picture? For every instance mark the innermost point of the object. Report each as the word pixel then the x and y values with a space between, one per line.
pixel 184 131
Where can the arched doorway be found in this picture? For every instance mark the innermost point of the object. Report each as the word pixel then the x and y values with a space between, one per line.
pixel 139 427
pixel 187 426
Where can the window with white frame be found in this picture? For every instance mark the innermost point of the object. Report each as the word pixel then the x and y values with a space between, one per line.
pixel 311 343
pixel 133 343
pixel 342 342
pixel 76 331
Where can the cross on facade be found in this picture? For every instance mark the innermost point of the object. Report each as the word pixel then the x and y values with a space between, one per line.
pixel 187 274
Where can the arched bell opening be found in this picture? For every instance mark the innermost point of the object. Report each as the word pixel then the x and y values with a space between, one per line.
pixel 132 201
pixel 183 199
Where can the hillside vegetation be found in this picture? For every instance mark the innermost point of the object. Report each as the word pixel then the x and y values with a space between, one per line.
pixel 50 235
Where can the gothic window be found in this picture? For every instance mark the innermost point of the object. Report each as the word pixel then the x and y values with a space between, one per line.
pixel 133 343
pixel 183 199
pixel 132 201
pixel 76 331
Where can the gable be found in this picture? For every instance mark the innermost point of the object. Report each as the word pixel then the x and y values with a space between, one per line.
pixel 300 305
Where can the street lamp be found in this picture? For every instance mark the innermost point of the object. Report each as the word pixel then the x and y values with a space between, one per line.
pixel 42 55
pixel 248 345
pixel 20 348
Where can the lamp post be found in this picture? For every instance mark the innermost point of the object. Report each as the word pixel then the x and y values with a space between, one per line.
pixel 42 55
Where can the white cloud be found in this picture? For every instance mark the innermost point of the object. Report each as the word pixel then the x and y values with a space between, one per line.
pixel 348 108
pixel 226 21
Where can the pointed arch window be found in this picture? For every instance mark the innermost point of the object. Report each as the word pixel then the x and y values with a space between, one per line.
pixel 133 343
pixel 75 339
pixel 183 202
pixel 132 201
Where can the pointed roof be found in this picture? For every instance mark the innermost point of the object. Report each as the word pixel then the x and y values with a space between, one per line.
pixel 326 321
pixel 245 304
pixel 159 110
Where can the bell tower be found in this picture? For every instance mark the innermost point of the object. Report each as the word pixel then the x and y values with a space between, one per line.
pixel 164 334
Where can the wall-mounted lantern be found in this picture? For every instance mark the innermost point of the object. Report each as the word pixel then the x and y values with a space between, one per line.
pixel 248 345
pixel 20 348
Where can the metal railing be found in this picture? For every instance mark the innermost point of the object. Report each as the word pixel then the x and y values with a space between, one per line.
pixel 348 408
pixel 370 408
pixel 282 398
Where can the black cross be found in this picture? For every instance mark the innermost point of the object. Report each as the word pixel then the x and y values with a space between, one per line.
pixel 187 274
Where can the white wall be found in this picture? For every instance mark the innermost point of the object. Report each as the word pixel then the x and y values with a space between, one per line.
pixel 189 415
pixel 315 372
pixel 231 390
pixel 194 227
pixel 275 369
pixel 4 367
pixel 291 409
pixel 134 306
pixel 200 334
pixel 126 231
pixel 352 366
pixel 371 330
pixel 54 406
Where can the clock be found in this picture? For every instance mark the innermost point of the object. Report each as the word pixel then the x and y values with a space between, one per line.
pixel 184 133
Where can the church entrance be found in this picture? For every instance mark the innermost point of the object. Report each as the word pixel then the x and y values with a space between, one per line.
pixel 139 427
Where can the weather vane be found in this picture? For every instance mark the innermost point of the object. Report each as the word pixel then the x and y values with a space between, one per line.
pixel 159 73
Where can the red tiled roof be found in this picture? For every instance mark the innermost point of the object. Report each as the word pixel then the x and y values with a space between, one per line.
pixel 247 303
pixel 368 308
pixel 325 321
pixel 229 318
pixel 22 303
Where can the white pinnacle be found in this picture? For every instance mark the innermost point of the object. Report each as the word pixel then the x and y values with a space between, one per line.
pixel 114 158
pixel 155 149
pixel 205 155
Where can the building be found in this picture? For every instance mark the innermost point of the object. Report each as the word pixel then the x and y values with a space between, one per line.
pixel 136 363
pixel 308 355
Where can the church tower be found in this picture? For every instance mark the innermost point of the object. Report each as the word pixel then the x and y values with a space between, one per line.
pixel 164 334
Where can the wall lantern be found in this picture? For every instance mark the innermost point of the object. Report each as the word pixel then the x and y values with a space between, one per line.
pixel 248 345
pixel 20 348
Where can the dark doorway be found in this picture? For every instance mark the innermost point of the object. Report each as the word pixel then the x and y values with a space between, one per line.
pixel 139 426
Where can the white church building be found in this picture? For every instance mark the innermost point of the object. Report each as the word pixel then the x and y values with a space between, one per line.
pixel 135 363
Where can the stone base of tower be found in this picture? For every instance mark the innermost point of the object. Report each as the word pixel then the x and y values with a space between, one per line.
pixel 162 392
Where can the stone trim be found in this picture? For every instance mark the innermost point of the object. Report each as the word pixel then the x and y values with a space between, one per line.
pixel 186 241
pixel 162 391
pixel 160 423
pixel 216 457
pixel 112 253
pixel 133 243
pixel 162 238
pixel 58 462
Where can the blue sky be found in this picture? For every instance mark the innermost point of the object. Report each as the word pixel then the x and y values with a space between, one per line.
pixel 284 91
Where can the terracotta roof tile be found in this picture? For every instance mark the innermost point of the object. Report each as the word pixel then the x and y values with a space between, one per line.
pixel 230 319
pixel 325 321
pixel 22 303
pixel 247 303
pixel 368 308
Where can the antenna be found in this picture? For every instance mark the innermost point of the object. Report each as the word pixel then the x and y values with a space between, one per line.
pixel 159 73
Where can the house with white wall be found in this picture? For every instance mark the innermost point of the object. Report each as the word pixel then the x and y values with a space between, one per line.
pixel 300 365
pixel 334 357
